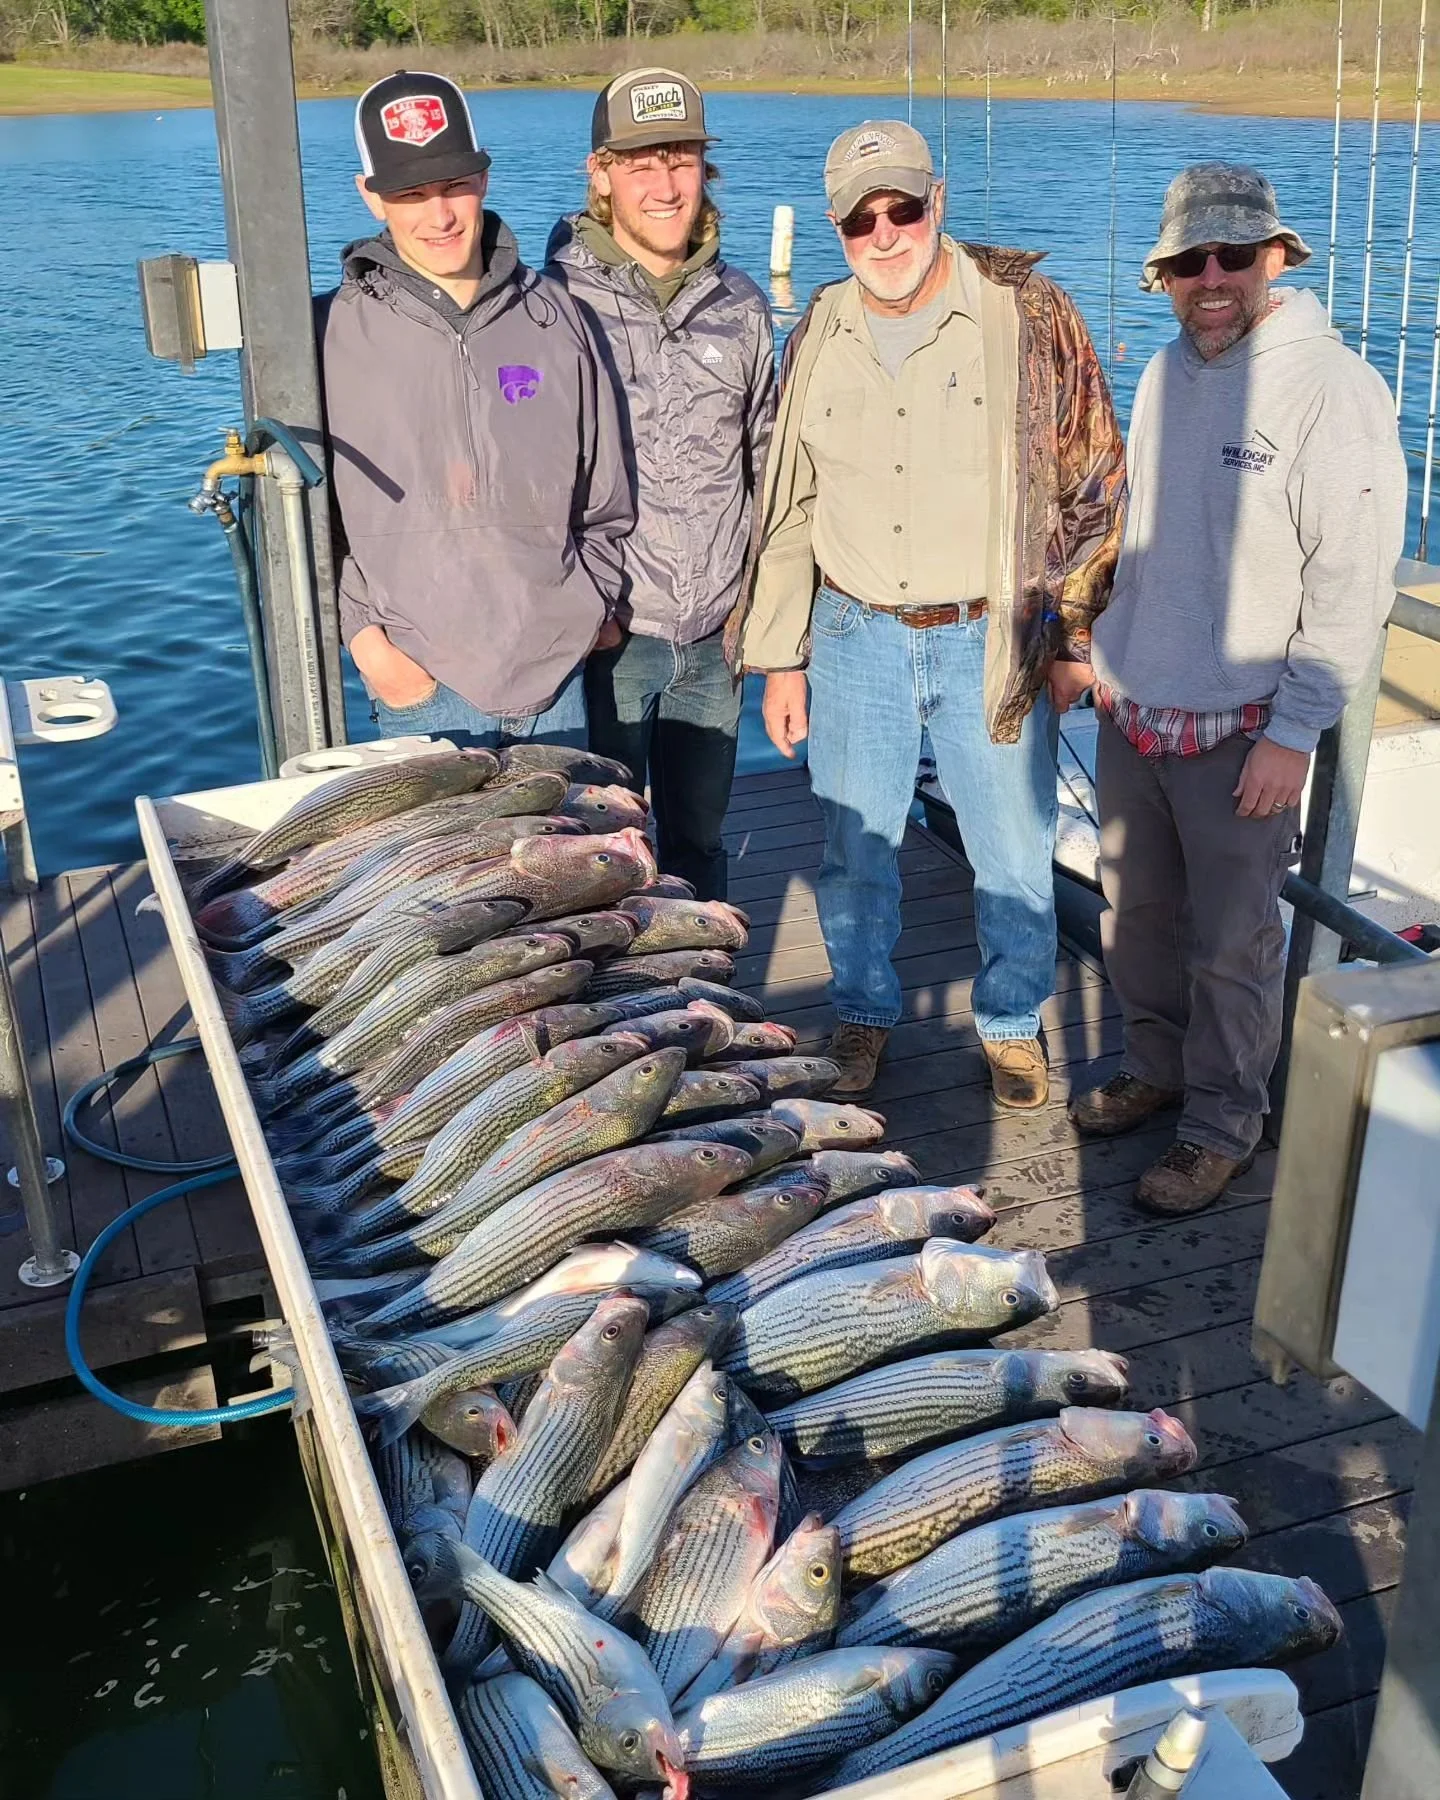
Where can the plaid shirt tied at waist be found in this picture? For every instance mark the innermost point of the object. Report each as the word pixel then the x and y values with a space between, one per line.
pixel 1171 731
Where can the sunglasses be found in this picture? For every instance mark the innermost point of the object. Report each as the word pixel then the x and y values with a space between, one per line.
pixel 898 212
pixel 1232 258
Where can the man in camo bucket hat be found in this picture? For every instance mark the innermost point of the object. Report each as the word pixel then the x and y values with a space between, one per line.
pixel 1218 203
pixel 1267 508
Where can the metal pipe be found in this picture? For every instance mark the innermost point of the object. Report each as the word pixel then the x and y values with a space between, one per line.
pixel 1332 823
pixel 1351 927
pixel 987 143
pixel 944 100
pixel 1410 217
pixel 1370 198
pixel 1335 161
pixel 910 61
pixel 49 1262
pixel 1427 479
pixel 236 537
pixel 1422 617
pixel 285 471
pixel 1114 179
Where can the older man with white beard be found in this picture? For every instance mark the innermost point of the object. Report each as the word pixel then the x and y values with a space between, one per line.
pixel 937 530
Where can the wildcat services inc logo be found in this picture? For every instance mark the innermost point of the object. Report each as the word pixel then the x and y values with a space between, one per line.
pixel 1252 457
pixel 650 100
pixel 518 381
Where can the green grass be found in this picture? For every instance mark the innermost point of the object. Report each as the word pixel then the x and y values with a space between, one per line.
pixel 44 88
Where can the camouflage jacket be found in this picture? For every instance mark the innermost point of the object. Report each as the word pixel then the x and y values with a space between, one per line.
pixel 1054 539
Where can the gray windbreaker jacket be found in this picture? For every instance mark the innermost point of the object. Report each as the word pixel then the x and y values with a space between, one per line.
pixel 478 471
pixel 695 385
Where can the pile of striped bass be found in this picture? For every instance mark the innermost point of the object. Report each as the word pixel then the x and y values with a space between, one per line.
pixel 625 1303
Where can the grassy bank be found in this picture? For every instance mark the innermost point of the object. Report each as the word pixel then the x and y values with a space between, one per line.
pixel 1279 59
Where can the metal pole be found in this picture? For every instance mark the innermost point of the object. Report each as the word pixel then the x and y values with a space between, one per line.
pixel 50 1262
pixel 944 99
pixel 292 501
pixel 1335 163
pixel 1332 823
pixel 1410 217
pixel 253 77
pixel 987 143
pixel 1374 170
pixel 1114 181
pixel 910 60
pixel 1404 1759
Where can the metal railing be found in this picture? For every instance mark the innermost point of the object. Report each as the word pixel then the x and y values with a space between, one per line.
pixel 1319 891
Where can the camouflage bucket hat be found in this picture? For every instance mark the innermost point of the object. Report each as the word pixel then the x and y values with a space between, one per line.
pixel 1218 203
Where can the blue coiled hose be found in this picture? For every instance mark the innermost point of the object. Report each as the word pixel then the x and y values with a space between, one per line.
pixel 206 1172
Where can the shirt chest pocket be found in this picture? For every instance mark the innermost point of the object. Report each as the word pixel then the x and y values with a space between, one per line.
pixel 960 423
pixel 834 430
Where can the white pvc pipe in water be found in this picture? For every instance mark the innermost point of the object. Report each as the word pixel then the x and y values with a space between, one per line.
pixel 782 240
pixel 1370 198
pixel 1410 217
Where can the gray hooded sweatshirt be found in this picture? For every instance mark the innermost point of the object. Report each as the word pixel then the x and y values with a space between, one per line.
pixel 694 379
pixel 1267 512
pixel 478 471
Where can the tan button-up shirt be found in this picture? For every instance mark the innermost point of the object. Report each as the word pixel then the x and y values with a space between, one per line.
pixel 899 472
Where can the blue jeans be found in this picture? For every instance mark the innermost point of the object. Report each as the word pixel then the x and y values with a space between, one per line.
pixel 875 685
pixel 451 715
pixel 670 713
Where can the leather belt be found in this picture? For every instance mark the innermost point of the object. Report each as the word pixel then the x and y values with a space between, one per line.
pixel 919 618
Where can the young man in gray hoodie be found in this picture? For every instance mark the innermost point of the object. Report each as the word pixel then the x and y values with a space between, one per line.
pixel 1267 509
pixel 475 447
pixel 687 342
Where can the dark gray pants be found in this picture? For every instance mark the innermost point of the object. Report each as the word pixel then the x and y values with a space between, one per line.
pixel 1194 946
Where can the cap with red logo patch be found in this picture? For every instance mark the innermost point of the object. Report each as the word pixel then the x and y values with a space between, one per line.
pixel 879 156
pixel 414 127
pixel 645 107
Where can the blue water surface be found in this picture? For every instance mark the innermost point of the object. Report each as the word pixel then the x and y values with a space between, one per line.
pixel 104 571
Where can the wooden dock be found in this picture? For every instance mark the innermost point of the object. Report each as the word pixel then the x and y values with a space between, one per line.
pixel 1321 1471
pixel 95 983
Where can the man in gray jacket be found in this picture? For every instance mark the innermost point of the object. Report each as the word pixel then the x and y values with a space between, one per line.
pixel 687 342
pixel 475 446
pixel 1267 508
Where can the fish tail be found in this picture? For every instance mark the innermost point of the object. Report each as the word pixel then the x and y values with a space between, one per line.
pixel 387 1415
pixel 241 970
pixel 229 874
pixel 238 918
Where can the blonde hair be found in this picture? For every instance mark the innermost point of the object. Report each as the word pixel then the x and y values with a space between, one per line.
pixel 707 224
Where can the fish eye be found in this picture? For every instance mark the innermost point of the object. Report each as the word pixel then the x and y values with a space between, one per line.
pixel 602 859
pixel 705 1155
pixel 1075 1381
pixel 1211 1530
pixel 472 1412
pixel 1010 1297
pixel 841 1125
pixel 935 1681
pixel 757 1444
pixel 819 1573
pixel 610 1333
pixel 1302 1613
pixel 784 1199
pixel 704 1312
pixel 629 1742
pixel 1153 1439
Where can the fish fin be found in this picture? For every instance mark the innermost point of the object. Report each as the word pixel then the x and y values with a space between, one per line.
pixel 150 904
pixel 389 1413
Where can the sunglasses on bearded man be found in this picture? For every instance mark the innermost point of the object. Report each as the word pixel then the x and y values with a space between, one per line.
pixel 1232 258
pixel 898 212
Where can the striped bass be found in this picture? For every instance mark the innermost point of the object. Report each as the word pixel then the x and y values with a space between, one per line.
pixel 827 1125
pixel 908 1406
pixel 768 1139
pixel 521 1746
pixel 672 1353
pixel 633 974
pixel 820 1328
pixel 880 1225
pixel 697 1028
pixel 990 1584
pixel 1117 1638
pixel 783 1724
pixel 1081 1454
pixel 663 924
pixel 722 1234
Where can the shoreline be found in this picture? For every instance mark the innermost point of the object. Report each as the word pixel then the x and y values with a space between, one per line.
pixel 59 91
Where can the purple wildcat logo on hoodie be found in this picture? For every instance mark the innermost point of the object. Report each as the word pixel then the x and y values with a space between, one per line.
pixel 518 381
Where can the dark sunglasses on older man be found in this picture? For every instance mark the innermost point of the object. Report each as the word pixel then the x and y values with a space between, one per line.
pixel 1232 258
pixel 898 212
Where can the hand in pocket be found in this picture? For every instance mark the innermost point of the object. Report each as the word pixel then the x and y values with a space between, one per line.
pixel 395 679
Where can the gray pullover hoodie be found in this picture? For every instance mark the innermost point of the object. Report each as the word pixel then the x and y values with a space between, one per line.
pixel 694 381
pixel 478 470
pixel 1267 512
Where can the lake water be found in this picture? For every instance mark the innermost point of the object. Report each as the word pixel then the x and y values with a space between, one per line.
pixel 102 568
pixel 206 1565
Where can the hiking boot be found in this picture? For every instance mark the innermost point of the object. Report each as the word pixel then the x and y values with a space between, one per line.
pixel 1019 1073
pixel 1187 1179
pixel 1122 1103
pixel 858 1050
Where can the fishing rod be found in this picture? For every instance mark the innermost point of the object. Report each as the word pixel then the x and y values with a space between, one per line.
pixel 987 142
pixel 1370 197
pixel 910 61
pixel 944 99
pixel 1114 178
pixel 1335 159
pixel 1428 478
pixel 1410 218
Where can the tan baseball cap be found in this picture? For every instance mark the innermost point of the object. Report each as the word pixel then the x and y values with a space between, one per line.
pixel 870 158
pixel 644 107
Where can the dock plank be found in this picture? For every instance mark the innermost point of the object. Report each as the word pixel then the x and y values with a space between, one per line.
pixel 124 1322
pixel 72 1435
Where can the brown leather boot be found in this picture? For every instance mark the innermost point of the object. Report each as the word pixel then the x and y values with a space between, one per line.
pixel 858 1049
pixel 1187 1179
pixel 1019 1073
pixel 1120 1104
